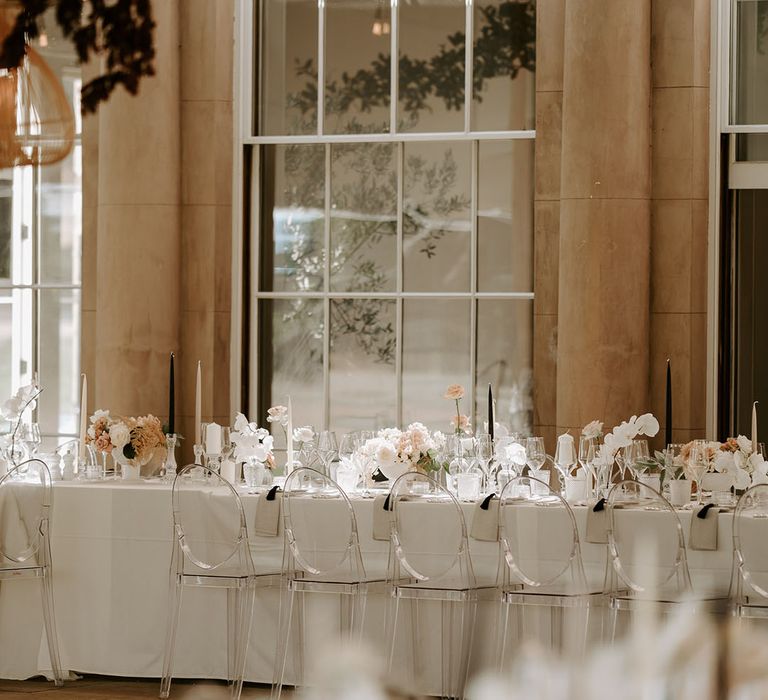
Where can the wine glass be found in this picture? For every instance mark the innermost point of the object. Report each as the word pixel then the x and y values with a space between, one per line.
pixel 327 449
pixel 565 455
pixel 587 453
pixel 535 455
pixel 698 462
pixel 348 471
pixel 483 455
pixel 30 436
pixel 641 457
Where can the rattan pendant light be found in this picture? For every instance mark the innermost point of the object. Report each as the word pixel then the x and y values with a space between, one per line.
pixel 37 126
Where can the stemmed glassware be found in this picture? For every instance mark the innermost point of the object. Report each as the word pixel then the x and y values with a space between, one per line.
pixel 483 456
pixel 535 455
pixel 327 450
pixel 698 463
pixel 587 453
pixel 347 473
pixel 30 436
pixel 641 457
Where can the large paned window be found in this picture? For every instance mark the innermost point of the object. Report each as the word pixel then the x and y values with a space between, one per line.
pixel 40 251
pixel 389 209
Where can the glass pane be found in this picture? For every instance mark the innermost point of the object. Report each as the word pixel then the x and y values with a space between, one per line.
pixel 16 335
pixel 290 358
pixel 357 71
pixel 61 219
pixel 293 224
pixel 289 67
pixel 436 337
pixel 503 65
pixel 505 217
pixel 431 67
pixel 752 147
pixel 363 217
pixel 59 361
pixel 363 346
pixel 436 217
pixel 505 360
pixel 749 101
pixel 6 225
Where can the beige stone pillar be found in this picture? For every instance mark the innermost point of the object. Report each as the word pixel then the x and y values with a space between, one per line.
pixel 603 299
pixel 138 215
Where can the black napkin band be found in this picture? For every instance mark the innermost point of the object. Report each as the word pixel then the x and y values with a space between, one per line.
pixel 487 502
pixel 600 505
pixel 386 501
pixel 378 477
pixel 272 493
pixel 703 512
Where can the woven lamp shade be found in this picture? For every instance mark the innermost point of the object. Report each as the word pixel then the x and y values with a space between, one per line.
pixel 37 126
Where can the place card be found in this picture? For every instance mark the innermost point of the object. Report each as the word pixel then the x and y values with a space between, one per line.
pixel 268 513
pixel 381 518
pixel 485 520
pixel 703 532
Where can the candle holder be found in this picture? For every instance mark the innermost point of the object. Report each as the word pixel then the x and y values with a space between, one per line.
pixel 197 472
pixel 169 465
pixel 213 462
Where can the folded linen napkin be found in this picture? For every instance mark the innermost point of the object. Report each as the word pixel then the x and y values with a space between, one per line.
pixel 381 518
pixel 703 532
pixel 485 520
pixel 268 513
pixel 597 523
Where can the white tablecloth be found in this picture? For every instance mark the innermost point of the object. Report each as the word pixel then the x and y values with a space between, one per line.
pixel 111 552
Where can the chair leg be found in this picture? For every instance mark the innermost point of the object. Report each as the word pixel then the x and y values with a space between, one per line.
pixel 233 617
pixel 467 617
pixel 447 657
pixel 614 621
pixel 360 601
pixel 285 616
pixel 246 595
pixel 174 606
pixel 556 627
pixel 49 618
pixel 502 630
pixel 390 634
pixel 415 636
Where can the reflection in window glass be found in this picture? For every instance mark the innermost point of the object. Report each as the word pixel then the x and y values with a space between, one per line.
pixel 749 101
pixel 431 68
pixel 504 63
pixel 289 67
pixel 363 387
pixel 294 219
pixel 357 70
pixel 435 354
pixel 436 217
pixel 363 217
pixel 505 216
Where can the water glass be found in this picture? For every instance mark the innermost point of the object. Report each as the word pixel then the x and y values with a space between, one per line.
pixel 468 486
pixel 253 473
pixel 535 455
pixel 327 450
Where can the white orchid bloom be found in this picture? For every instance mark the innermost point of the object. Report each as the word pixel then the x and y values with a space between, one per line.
pixel 647 425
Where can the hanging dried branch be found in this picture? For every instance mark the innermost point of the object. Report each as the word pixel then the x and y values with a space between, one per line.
pixel 120 30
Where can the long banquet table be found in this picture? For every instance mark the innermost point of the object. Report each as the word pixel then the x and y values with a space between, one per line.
pixel 111 546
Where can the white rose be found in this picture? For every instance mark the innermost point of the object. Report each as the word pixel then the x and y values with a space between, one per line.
pixel 516 454
pixel 303 434
pixel 385 454
pixel 241 423
pixel 725 462
pixel 592 430
pixel 119 436
pixel 744 443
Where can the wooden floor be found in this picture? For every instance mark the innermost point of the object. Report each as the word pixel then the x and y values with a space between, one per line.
pixel 106 688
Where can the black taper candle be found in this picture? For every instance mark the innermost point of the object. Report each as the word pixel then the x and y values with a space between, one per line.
pixel 490 412
pixel 171 400
pixel 668 417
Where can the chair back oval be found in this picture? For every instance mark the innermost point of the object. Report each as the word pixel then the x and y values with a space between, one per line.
pixel 429 532
pixel 749 526
pixel 320 525
pixel 25 505
pixel 527 508
pixel 649 561
pixel 209 520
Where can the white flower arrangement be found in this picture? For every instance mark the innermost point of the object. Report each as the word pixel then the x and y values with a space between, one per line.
pixel 250 441
pixel 736 457
pixel 395 451
pixel 593 430
pixel 623 435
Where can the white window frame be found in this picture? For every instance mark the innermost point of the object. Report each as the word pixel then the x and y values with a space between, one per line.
pixel 245 120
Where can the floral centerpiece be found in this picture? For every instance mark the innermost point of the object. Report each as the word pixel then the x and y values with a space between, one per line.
pixel 132 441
pixel 460 422
pixel 394 452
pixel 734 457
pixel 13 410
pixel 623 435
pixel 252 442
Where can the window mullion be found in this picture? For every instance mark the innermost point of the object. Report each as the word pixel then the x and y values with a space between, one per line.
pixel 473 282
pixel 399 287
pixel 394 63
pixel 326 290
pixel 469 33
pixel 320 67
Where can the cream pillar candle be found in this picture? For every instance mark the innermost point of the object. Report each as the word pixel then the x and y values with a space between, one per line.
pixel 198 405
pixel 83 414
pixel 213 439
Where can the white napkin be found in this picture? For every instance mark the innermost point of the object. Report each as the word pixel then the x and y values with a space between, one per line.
pixel 597 523
pixel 380 518
pixel 485 520
pixel 268 513
pixel 703 532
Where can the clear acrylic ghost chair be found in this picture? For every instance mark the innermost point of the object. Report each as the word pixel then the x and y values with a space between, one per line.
pixel 430 561
pixel 322 555
pixel 25 545
pixel 646 567
pixel 211 550
pixel 750 580
pixel 544 572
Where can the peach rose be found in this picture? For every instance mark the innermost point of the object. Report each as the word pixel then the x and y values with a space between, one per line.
pixel 454 392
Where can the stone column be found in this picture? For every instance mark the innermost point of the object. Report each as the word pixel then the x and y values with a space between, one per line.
pixel 138 261
pixel 603 299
